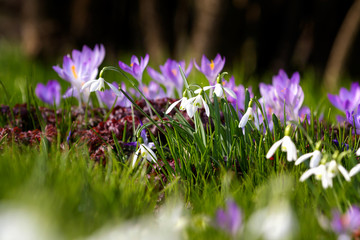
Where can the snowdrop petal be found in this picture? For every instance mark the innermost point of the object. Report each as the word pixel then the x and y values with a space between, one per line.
pixel 218 90
pixel 135 157
pixel 230 92
pixel 94 86
pixel 172 106
pixel 205 88
pixel 115 90
pixel 344 172
pixel 273 148
pixel 315 160
pixel 190 109
pixel 197 91
pixel 87 84
pixel 150 156
pixel 308 173
pixel 207 111
pixel 244 120
pixel 354 170
pixel 358 152
pixel 303 158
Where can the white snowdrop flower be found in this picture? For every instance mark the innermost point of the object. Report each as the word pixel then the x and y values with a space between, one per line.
pixel 358 152
pixel 325 173
pixel 194 103
pixel 249 114
pixel 99 85
pixel 315 157
pixel 219 88
pixel 286 146
pixel 183 104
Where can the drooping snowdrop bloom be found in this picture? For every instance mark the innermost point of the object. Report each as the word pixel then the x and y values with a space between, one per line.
pixel 80 68
pixel 184 104
pixel 194 103
pixel 136 67
pixel 49 93
pixel 170 76
pixel 219 88
pixel 326 172
pixel 229 219
pixel 211 68
pixel 99 85
pixel 315 157
pixel 144 150
pixel 286 146
pixel 249 114
pixel 346 101
pixel 347 224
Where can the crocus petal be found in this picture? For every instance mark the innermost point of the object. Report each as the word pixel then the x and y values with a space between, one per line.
pixel 273 148
pixel 344 172
pixel 354 170
pixel 172 106
pixel 303 158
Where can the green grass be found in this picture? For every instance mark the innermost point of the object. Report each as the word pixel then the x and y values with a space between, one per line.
pixel 77 197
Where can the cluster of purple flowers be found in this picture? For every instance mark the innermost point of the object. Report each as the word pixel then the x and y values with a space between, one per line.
pixel 349 103
pixel 83 66
pixel 284 92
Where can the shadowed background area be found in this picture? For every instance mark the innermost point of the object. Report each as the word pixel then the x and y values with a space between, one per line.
pixel 259 36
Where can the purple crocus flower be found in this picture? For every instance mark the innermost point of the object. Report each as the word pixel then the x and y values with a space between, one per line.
pixel 153 91
pixel 211 68
pixel 49 93
pixel 108 97
pixel 346 224
pixel 346 100
pixel 229 219
pixel 354 119
pixel 283 91
pixel 79 68
pixel 136 67
pixel 239 90
pixel 170 76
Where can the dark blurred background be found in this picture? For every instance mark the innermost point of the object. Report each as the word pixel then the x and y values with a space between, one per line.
pixel 259 36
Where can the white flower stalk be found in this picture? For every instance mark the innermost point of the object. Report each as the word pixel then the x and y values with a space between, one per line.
pixel 325 173
pixel 286 146
pixel 315 157
pixel 249 114
pixel 194 103
pixel 99 85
